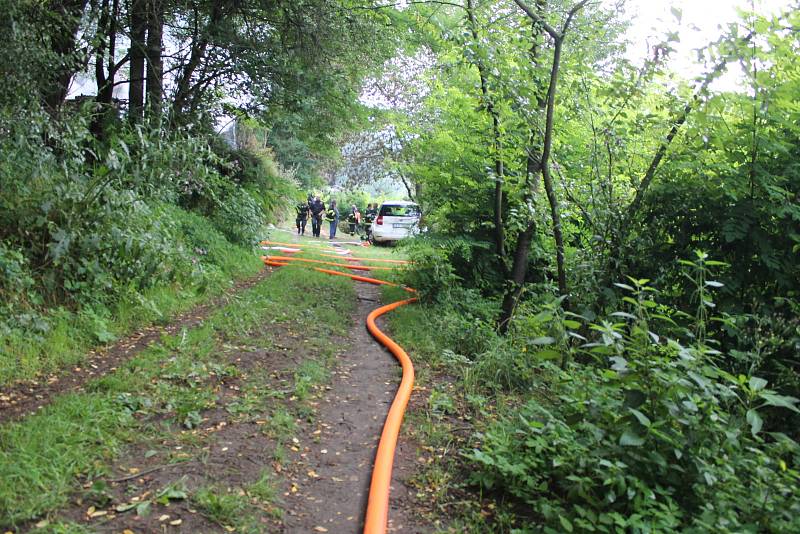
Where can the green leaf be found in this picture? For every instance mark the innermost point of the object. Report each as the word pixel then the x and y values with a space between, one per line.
pixel 781 401
pixel 755 422
pixel 619 363
pixel 642 418
pixel 565 523
pixel 757 384
pixel 630 438
pixel 544 340
pixel 677 13
pixel 125 507
pixel 548 354
pixel 143 508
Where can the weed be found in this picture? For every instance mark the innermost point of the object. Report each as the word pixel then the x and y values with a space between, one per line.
pixel 309 374
pixel 264 488
pixel 224 507
pixel 279 454
pixel 280 425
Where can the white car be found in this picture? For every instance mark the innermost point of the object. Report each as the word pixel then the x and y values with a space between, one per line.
pixel 397 219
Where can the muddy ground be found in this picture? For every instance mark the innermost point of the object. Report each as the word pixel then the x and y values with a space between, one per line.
pixel 331 476
pixel 320 469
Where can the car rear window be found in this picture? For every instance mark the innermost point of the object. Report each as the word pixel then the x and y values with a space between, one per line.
pixel 395 210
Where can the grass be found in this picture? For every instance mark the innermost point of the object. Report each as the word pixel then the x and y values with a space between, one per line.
pixel 40 457
pixel 43 458
pixel 309 375
pixel 238 507
pixel 59 527
pixel 26 355
pixel 221 506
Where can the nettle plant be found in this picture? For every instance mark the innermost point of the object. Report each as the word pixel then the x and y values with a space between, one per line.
pixel 655 436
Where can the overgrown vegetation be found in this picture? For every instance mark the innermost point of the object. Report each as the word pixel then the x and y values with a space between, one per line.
pixel 636 426
pixel 125 206
pixel 610 276
pixel 89 252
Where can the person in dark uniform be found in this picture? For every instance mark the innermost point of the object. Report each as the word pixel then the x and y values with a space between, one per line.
pixel 369 215
pixel 317 211
pixel 332 216
pixel 353 219
pixel 302 210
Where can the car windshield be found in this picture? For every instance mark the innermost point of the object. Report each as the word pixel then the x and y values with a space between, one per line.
pixel 397 210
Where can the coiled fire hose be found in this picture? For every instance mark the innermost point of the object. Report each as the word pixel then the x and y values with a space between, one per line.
pixel 377 515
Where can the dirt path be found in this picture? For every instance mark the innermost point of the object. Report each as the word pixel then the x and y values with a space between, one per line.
pixel 330 478
pixel 328 436
pixel 26 397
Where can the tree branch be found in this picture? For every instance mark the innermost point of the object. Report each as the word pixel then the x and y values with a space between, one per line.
pixel 537 18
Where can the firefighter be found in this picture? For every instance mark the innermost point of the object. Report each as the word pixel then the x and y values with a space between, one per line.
pixel 302 210
pixel 332 216
pixel 354 219
pixel 317 209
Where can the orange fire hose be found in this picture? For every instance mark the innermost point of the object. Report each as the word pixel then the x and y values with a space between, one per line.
pixel 377 516
pixel 364 279
pixel 352 258
pixel 354 267
pixel 273 263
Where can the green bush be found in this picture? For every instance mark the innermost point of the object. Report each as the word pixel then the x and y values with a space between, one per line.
pixel 96 238
pixel 653 437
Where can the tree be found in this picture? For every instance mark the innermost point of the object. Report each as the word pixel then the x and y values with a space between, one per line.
pixel 540 160
pixel 137 54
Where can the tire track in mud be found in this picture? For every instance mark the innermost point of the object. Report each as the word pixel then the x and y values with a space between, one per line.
pixel 27 397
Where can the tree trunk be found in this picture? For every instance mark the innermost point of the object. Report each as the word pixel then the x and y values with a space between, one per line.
pixel 533 168
pixel 107 37
pixel 620 240
pixel 137 54
pixel 155 64
pixel 519 271
pixel 69 14
pixel 520 268
pixel 184 83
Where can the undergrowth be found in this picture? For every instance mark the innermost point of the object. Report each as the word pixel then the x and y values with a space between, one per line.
pixel 99 238
pixel 628 422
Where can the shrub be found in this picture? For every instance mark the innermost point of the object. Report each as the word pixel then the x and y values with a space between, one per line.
pixel 93 239
pixel 654 437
